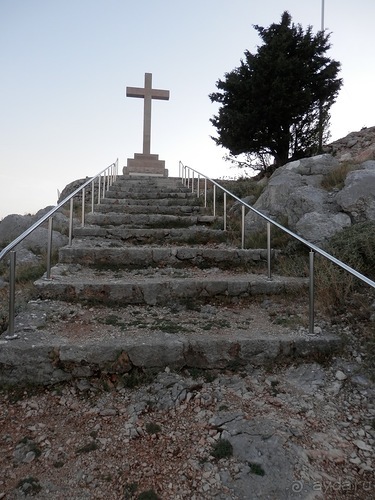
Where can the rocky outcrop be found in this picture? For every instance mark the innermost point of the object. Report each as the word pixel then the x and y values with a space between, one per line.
pixel 33 246
pixel 355 147
pixel 358 196
pixel 295 197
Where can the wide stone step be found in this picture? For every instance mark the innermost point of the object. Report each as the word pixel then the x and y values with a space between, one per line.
pixel 156 287
pixel 104 253
pixel 149 195
pixel 142 188
pixel 122 206
pixel 148 181
pixel 59 341
pixel 194 235
pixel 159 202
pixel 147 220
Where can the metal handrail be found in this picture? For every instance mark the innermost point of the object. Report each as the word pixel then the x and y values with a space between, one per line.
pixel 185 175
pixel 109 175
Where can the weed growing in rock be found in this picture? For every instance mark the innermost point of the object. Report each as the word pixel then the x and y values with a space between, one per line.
pixel 256 469
pixel 137 377
pixel 92 446
pixel 152 428
pixel 222 449
pixel 148 495
pixel 335 179
pixel 29 486
pixel 30 446
pixel 130 490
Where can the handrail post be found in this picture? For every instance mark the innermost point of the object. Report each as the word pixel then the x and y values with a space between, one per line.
pixel 92 196
pixel 214 200
pixel 311 292
pixel 103 186
pixel 192 182
pixel 12 291
pixel 225 211
pixel 205 192
pixel 99 185
pixel 199 180
pixel 71 222
pixel 269 249
pixel 243 227
pixel 49 247
pixel 83 207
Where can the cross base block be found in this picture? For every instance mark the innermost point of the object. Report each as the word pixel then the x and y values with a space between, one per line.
pixel 145 164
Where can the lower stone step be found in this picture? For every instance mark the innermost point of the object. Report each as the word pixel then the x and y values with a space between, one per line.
pixel 59 341
pixel 104 253
pixel 106 206
pixel 155 287
pixel 160 202
pixel 193 235
pixel 149 220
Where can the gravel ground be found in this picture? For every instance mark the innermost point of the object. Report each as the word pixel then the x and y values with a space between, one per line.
pixel 104 438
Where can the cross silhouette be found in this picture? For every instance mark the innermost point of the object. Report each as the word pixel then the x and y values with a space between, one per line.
pixel 147 93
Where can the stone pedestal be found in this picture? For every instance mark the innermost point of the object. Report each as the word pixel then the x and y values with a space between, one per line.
pixel 145 164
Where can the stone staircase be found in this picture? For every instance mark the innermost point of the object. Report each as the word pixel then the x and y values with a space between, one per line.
pixel 151 282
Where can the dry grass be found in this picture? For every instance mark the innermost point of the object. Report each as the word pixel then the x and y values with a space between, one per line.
pixel 336 178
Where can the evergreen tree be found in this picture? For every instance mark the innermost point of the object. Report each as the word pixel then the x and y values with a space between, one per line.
pixel 277 101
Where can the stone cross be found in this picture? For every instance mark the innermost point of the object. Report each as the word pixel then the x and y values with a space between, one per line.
pixel 147 93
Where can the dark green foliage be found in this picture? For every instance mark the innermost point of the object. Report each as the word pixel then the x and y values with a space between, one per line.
pixel 29 486
pixel 256 469
pixel 92 446
pixel 222 449
pixel 152 428
pixel 130 490
pixel 137 377
pixel 148 495
pixel 277 101
pixel 355 246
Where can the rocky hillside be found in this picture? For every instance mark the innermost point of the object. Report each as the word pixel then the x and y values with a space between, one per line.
pixel 320 196
pixel 355 147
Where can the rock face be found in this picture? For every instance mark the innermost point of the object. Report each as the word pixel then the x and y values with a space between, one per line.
pixel 30 249
pixel 355 147
pixel 358 196
pixel 295 197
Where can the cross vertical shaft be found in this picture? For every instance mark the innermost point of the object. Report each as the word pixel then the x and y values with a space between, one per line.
pixel 147 93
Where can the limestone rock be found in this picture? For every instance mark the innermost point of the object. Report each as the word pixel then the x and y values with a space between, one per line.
pixel 295 198
pixel 358 196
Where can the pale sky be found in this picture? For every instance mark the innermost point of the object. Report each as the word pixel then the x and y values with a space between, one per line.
pixel 65 65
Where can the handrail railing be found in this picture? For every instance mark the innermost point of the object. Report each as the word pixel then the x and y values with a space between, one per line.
pixel 187 175
pixel 104 178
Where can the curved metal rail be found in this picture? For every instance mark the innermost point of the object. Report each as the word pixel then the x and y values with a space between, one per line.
pixel 104 179
pixel 188 176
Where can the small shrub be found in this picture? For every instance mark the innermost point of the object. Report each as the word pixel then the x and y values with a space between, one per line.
pixel 256 469
pixel 29 486
pixel 355 245
pixel 336 178
pixel 130 490
pixel 148 495
pixel 222 449
pixel 152 428
pixel 92 446
pixel 137 377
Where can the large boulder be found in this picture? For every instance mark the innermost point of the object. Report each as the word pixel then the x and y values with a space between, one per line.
pixel 358 196
pixel 294 197
pixel 293 191
pixel 34 245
